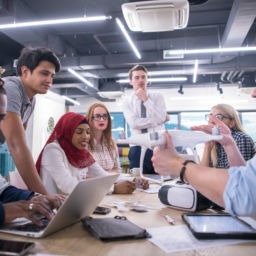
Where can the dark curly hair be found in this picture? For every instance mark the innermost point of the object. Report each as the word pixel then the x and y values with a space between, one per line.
pixel 31 58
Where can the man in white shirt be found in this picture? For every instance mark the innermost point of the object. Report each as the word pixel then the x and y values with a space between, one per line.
pixel 145 112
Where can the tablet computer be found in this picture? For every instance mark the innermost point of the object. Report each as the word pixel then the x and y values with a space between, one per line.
pixel 218 226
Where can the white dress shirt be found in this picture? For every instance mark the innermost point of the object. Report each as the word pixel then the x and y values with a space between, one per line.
pixel 58 175
pixel 155 112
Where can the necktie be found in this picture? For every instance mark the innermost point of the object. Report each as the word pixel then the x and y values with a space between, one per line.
pixel 143 114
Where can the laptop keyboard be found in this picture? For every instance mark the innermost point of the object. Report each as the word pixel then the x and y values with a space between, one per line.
pixel 31 226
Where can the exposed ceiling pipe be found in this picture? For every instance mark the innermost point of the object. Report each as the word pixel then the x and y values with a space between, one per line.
pixel 230 74
pixel 101 44
pixel 223 75
pixel 234 75
pixel 239 75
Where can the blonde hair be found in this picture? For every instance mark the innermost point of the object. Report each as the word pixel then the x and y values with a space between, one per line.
pixel 107 133
pixel 231 113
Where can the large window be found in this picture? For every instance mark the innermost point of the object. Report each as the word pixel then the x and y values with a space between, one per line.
pixel 117 124
pixel 173 123
pixel 188 119
pixel 183 121
pixel 248 121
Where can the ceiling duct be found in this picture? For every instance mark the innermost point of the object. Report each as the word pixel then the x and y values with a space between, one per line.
pixel 156 16
pixel 196 2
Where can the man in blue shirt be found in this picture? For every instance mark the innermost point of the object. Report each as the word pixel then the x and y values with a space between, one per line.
pixel 232 188
pixel 16 202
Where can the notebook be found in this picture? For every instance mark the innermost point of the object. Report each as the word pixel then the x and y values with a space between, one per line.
pixel 80 203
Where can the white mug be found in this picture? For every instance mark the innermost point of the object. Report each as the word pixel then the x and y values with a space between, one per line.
pixel 135 172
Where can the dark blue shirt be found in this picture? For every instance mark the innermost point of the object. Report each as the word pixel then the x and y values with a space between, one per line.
pixel 12 194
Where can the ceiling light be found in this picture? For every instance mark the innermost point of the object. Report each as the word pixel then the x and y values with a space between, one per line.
pixel 213 50
pixel 51 22
pixel 161 79
pixel 161 73
pixel 80 77
pixel 208 99
pixel 180 91
pixel 195 71
pixel 219 88
pixel 71 100
pixel 128 38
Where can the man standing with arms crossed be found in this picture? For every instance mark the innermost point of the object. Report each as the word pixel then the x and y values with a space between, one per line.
pixel 145 112
pixel 35 69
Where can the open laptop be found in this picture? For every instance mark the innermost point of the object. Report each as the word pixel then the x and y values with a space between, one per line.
pixel 156 178
pixel 80 203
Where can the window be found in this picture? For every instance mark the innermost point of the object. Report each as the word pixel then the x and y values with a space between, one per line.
pixel 189 119
pixel 173 123
pixel 248 122
pixel 117 124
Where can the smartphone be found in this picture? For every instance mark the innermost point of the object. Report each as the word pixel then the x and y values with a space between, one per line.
pixel 8 247
pixel 101 210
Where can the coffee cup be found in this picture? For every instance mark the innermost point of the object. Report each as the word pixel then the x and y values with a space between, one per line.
pixel 135 172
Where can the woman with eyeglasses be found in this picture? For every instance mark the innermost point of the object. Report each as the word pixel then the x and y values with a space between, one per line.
pixel 214 153
pixel 103 147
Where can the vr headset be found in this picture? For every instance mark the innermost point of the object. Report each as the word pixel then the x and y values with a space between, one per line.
pixel 184 197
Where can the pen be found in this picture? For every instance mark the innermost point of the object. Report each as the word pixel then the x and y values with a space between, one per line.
pixel 169 219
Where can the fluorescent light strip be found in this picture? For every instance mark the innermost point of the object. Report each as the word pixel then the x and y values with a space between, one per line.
pixel 121 26
pixel 163 79
pixel 213 50
pixel 195 71
pixel 51 22
pixel 162 73
pixel 71 100
pixel 206 99
pixel 80 77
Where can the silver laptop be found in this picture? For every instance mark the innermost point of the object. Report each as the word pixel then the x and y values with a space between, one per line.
pixel 156 178
pixel 80 203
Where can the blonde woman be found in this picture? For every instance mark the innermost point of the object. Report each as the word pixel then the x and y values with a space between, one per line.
pixel 103 147
pixel 214 154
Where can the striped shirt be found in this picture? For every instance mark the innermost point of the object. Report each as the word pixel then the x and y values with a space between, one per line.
pixel 245 145
pixel 107 158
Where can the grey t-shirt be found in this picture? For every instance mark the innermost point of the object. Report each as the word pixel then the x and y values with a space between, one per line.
pixel 17 99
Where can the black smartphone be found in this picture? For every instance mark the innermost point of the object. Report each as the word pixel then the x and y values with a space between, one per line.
pixel 101 210
pixel 16 248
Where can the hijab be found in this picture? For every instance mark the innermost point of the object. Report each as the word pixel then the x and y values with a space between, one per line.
pixel 63 133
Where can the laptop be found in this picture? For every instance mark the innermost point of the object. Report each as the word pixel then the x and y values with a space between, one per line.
pixel 156 178
pixel 80 203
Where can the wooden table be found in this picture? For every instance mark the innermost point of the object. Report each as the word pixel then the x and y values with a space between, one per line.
pixel 74 240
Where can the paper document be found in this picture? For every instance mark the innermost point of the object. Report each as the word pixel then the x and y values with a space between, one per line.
pixel 179 238
pixel 153 189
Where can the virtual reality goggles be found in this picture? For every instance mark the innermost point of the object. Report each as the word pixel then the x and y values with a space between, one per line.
pixel 184 197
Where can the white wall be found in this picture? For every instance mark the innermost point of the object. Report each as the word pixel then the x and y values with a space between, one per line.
pixel 192 99
pixel 47 105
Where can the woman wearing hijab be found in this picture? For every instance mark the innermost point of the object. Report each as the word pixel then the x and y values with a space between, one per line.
pixel 65 160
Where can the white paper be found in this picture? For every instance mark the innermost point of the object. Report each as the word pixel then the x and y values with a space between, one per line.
pixel 153 189
pixel 179 238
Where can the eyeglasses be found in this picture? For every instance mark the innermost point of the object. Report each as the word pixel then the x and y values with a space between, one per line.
pixel 2 116
pixel 98 117
pixel 219 116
